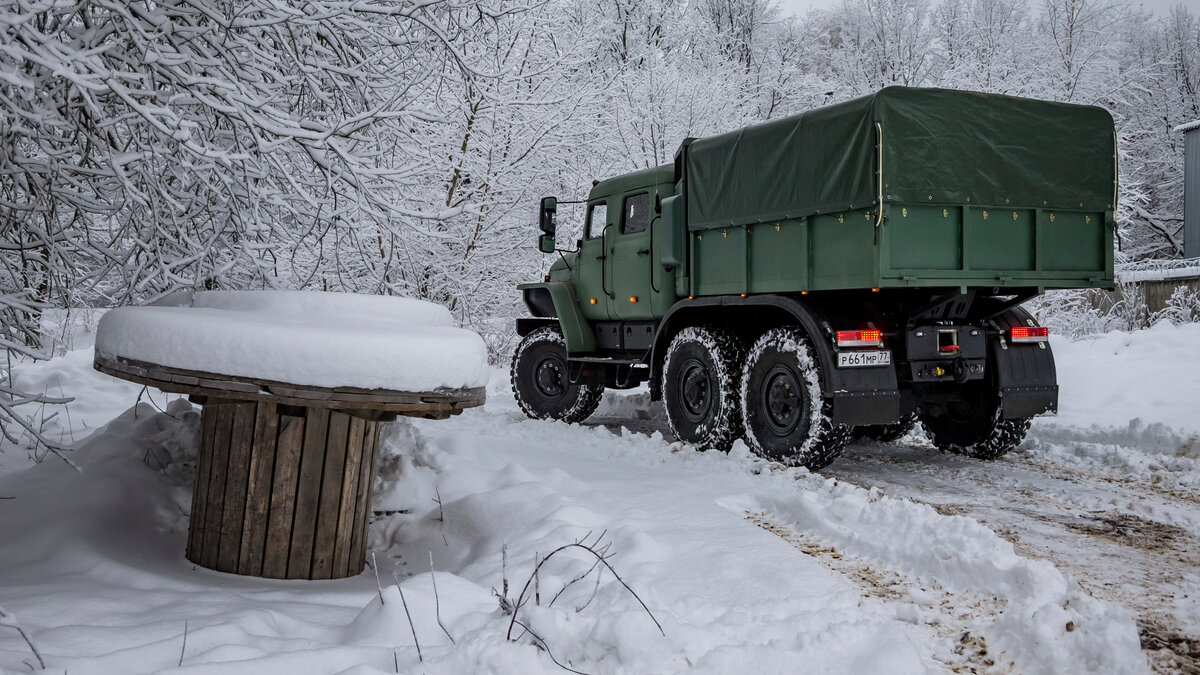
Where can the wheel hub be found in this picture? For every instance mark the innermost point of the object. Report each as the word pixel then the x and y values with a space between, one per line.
pixel 548 378
pixel 782 399
pixel 696 389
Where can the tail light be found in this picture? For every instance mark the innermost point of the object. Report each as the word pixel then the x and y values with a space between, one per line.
pixel 859 338
pixel 1029 334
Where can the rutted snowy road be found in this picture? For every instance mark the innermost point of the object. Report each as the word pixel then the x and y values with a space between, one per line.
pixel 1127 539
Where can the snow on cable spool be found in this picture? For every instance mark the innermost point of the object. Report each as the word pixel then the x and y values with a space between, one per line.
pixel 301 337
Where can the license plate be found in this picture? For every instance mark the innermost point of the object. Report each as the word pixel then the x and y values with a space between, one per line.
pixel 864 359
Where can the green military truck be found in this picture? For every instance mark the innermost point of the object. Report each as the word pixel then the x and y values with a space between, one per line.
pixel 847 271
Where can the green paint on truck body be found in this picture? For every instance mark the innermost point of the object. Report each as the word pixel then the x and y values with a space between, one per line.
pixel 905 188
pixel 577 331
pixel 976 190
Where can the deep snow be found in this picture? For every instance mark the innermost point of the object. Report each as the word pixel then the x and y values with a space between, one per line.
pixel 897 559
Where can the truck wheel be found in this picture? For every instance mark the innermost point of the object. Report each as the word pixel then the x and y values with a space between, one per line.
pixel 973 428
pixel 539 380
pixel 700 387
pixel 886 433
pixel 786 418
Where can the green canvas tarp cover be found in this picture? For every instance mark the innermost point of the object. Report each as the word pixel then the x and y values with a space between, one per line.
pixel 940 146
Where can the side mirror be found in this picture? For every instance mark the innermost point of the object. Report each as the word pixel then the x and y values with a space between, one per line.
pixel 548 215
pixel 546 243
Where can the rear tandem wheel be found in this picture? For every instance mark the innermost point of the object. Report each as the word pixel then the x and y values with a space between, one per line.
pixel 973 426
pixel 786 416
pixel 699 386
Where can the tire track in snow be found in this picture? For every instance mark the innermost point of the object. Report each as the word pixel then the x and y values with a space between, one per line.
pixel 965 651
pixel 1126 540
pixel 1129 542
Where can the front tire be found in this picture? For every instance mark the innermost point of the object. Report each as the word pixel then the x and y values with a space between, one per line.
pixel 786 417
pixel 540 384
pixel 700 387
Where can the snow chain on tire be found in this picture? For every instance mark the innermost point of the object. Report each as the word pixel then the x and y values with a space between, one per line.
pixel 786 416
pixel 699 385
pixel 539 380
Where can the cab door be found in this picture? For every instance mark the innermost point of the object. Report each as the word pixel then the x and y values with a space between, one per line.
pixel 629 260
pixel 592 282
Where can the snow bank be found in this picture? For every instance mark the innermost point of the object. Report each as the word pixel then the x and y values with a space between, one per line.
pixel 93 566
pixel 321 339
pixel 1049 626
pixel 1119 376
pixel 1127 405
pixel 728 595
pixel 98 397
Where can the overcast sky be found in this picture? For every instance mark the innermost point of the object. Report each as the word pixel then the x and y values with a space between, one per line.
pixel 1159 7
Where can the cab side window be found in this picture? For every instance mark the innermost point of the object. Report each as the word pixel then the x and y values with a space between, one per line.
pixel 597 218
pixel 636 215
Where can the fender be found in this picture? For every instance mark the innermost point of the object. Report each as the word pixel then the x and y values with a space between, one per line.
pixel 858 395
pixel 1025 375
pixel 577 331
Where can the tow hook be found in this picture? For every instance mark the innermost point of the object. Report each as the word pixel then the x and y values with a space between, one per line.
pixel 960 370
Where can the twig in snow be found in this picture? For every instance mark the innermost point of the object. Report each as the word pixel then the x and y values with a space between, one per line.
pixel 504 568
pixel 437 603
pixel 441 514
pixel 410 621
pixel 152 402
pixel 506 606
pixel 595 592
pixel 577 579
pixel 8 619
pixel 602 557
pixel 546 648
pixel 375 569
pixel 395 661
pixel 537 583
pixel 2 497
pixel 184 647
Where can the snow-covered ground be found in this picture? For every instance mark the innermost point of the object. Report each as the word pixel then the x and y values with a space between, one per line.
pixel 1076 554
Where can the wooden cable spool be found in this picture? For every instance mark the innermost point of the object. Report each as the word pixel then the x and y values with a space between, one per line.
pixel 284 471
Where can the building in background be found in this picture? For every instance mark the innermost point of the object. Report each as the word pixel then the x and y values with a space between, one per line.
pixel 1191 188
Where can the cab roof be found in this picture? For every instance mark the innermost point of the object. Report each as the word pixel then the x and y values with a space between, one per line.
pixel 631 181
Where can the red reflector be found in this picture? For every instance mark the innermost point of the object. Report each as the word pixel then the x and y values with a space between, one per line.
pixel 948 348
pixel 859 338
pixel 1029 334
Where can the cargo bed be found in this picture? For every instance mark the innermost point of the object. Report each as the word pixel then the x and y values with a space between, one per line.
pixel 905 188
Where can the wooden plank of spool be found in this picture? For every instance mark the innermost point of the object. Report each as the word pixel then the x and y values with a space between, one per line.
pixel 308 493
pixel 362 510
pixel 283 496
pixel 325 539
pixel 350 479
pixel 236 485
pixel 222 429
pixel 200 489
pixel 228 387
pixel 258 489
